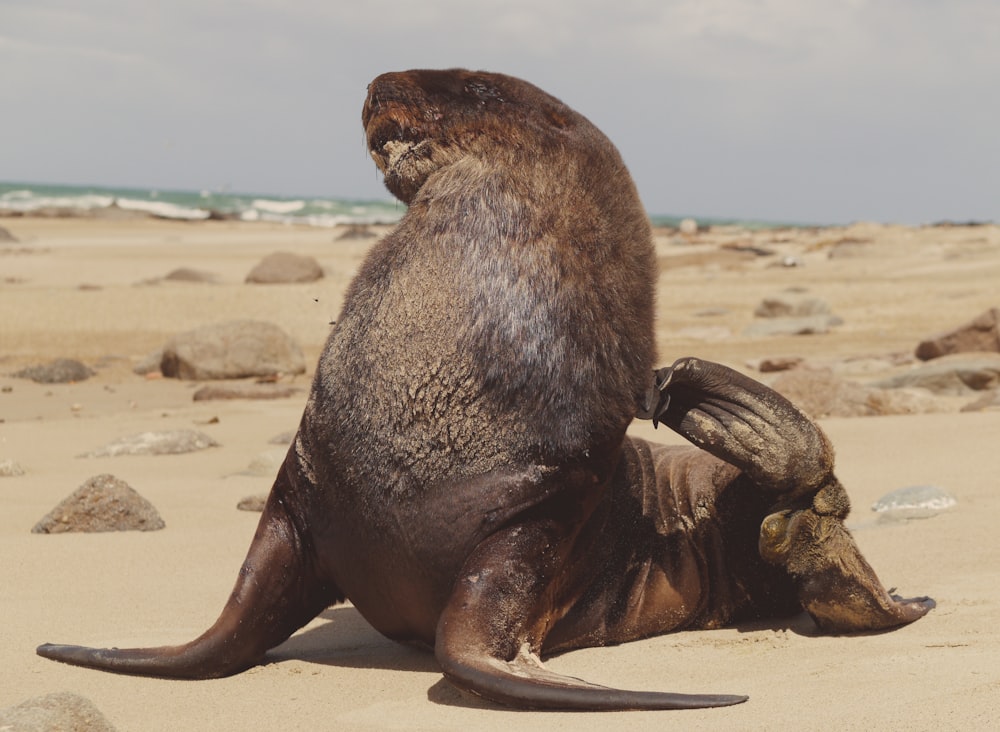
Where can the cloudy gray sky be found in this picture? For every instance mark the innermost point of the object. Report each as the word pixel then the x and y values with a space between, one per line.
pixel 824 111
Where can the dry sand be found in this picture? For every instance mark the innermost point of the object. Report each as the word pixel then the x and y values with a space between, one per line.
pixel 898 286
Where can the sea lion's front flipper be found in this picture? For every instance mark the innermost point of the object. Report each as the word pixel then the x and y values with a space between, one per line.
pixel 785 454
pixel 277 592
pixel 496 619
pixel 744 423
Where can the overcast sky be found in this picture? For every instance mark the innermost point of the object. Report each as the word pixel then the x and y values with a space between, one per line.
pixel 825 111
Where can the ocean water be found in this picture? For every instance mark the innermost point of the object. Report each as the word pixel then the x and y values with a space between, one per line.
pixel 29 198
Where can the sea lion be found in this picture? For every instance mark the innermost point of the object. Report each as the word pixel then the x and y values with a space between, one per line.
pixel 461 471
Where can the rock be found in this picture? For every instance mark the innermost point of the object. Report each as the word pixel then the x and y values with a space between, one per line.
pixel 808 325
pixel 688 227
pixel 170 442
pixel 232 350
pixel 779 363
pixel 819 393
pixel 6 237
pixel 187 274
pixel 59 371
pixel 989 402
pixel 283 267
pixel 150 364
pixel 915 501
pixel 58 712
pixel 103 503
pixel 9 468
pixel 981 334
pixel 246 391
pixel 252 503
pixel 791 306
pixel 957 374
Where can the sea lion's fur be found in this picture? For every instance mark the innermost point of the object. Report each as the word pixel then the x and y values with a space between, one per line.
pixel 461 471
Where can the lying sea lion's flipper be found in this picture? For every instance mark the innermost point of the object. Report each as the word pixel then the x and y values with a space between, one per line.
pixel 782 451
pixel 277 592
pixel 494 623
pixel 744 423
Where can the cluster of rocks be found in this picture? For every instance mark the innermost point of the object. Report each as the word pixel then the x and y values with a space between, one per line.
pixel 228 350
pixel 276 268
pixel 962 362
pixel 107 503
pixel 792 313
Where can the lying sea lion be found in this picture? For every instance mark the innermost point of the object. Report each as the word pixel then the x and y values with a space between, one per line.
pixel 461 472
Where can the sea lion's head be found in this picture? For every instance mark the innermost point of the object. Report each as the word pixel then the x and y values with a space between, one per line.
pixel 420 121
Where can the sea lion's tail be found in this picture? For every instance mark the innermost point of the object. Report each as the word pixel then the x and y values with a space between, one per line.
pixel 277 592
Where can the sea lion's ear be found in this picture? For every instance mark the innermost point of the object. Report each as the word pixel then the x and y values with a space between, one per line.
pixel 744 423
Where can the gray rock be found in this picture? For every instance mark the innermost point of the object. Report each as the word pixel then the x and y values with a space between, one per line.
pixel 232 350
pixel 58 712
pixel 981 334
pixel 169 442
pixel 103 503
pixel 150 364
pixel 915 501
pixel 957 374
pixel 253 503
pixel 285 267
pixel 9 468
pixel 59 371
pixel 187 274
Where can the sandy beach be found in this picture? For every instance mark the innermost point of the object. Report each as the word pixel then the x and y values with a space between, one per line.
pixel 91 289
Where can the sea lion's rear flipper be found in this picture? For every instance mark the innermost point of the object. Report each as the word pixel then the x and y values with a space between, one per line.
pixel 784 453
pixel 277 592
pixel 495 621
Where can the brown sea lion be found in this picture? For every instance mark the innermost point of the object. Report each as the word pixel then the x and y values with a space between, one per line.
pixel 461 472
